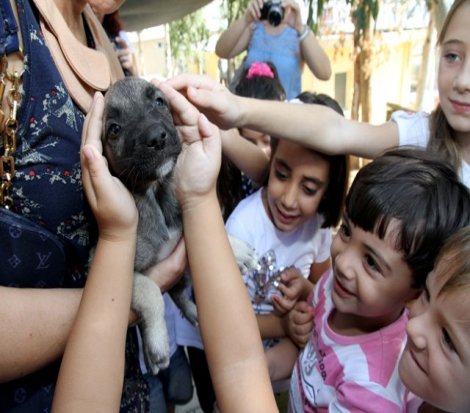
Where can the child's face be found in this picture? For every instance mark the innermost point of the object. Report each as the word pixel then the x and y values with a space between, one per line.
pixel 454 71
pixel 372 280
pixel 260 139
pixel 298 179
pixel 435 364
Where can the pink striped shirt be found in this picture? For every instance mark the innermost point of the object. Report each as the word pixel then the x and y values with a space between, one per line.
pixel 336 373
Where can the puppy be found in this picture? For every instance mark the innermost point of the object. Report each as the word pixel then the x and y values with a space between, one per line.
pixel 141 144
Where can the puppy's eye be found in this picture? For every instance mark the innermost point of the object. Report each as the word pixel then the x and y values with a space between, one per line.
pixel 113 130
pixel 159 101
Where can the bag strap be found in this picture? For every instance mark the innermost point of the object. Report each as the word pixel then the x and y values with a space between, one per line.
pixel 11 74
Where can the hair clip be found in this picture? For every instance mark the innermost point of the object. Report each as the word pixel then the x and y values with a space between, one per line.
pixel 259 69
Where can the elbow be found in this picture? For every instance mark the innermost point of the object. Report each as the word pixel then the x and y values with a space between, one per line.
pixel 325 73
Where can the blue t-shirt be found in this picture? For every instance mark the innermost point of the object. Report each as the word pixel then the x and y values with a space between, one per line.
pixel 283 50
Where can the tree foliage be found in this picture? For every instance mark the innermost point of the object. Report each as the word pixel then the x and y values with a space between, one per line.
pixel 188 37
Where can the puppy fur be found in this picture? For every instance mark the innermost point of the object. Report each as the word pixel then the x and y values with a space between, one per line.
pixel 141 144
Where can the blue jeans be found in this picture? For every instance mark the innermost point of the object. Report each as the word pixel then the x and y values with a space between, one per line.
pixel 172 385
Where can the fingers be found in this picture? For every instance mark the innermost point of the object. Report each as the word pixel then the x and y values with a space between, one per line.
pixel 99 180
pixel 185 112
pixel 182 82
pixel 92 127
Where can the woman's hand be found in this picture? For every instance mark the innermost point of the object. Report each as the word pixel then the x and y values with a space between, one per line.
pixel 125 55
pixel 112 204
pixel 168 272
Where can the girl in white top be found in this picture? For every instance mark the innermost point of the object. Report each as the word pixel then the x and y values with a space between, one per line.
pixel 446 130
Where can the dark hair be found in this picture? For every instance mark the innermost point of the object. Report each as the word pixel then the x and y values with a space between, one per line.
pixel 332 202
pixel 442 137
pixel 422 192
pixel 260 87
pixel 112 24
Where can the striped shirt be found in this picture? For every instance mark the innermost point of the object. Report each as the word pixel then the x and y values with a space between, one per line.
pixel 336 373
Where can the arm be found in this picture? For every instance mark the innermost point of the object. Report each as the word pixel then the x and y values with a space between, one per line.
pixel 96 346
pixel 236 38
pixel 316 126
pixel 249 158
pixel 281 359
pixel 316 58
pixel 317 269
pixel 126 56
pixel 312 53
pixel 230 334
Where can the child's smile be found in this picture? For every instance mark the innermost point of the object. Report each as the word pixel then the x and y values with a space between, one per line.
pixel 372 280
pixel 298 179
pixel 436 361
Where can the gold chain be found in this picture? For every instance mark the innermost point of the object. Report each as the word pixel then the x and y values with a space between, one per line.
pixel 8 130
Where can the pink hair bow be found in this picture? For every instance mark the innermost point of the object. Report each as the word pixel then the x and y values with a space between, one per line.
pixel 259 69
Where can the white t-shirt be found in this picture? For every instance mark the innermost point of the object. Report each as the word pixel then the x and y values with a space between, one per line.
pixel 301 247
pixel 413 129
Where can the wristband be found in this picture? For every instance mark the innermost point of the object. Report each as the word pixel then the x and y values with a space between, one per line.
pixel 305 33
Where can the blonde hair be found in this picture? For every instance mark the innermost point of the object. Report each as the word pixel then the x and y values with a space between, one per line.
pixel 453 261
pixel 442 136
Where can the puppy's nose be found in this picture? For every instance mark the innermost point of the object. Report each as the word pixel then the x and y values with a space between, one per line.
pixel 156 139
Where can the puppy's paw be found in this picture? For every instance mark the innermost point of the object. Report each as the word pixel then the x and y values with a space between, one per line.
pixel 157 349
pixel 245 254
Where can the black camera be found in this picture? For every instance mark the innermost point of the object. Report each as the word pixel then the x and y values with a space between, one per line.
pixel 273 12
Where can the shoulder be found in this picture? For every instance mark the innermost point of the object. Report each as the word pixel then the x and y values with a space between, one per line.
pixel 246 211
pixel 413 127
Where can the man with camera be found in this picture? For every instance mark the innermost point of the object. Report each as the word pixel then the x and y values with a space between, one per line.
pixel 273 31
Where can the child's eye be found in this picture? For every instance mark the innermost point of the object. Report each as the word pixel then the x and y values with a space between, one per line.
pixel 310 191
pixel 344 231
pixel 280 175
pixel 451 57
pixel 372 264
pixel 447 340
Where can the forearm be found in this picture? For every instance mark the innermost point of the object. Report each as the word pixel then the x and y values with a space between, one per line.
pixel 228 325
pixel 316 126
pixel 250 159
pixel 35 325
pixel 316 58
pixel 96 345
pixel 270 326
pixel 234 39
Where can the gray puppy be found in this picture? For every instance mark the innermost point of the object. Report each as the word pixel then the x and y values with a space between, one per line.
pixel 141 144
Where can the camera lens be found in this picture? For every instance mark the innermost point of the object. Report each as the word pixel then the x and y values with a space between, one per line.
pixel 275 14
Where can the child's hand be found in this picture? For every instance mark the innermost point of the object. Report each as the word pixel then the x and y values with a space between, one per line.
pixel 111 203
pixel 199 162
pixel 213 99
pixel 298 323
pixel 291 287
